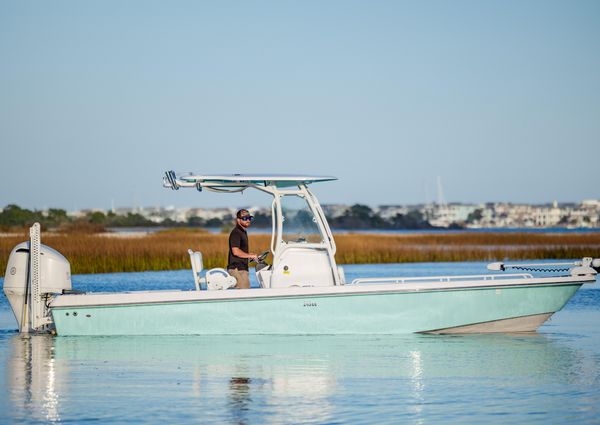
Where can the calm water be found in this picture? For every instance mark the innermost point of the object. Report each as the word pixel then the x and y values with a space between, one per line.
pixel 552 376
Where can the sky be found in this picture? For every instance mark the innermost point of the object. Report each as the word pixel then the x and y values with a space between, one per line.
pixel 500 99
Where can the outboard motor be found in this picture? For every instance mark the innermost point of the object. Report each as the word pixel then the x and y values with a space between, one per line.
pixel 34 273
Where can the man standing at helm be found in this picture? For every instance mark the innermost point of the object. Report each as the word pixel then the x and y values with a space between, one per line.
pixel 239 254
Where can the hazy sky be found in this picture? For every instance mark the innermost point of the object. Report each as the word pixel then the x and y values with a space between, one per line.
pixel 501 99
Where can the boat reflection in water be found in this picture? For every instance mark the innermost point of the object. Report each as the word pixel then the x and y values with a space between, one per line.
pixel 279 379
pixel 32 379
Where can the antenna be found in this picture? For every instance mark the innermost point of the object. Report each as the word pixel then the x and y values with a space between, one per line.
pixel 440 193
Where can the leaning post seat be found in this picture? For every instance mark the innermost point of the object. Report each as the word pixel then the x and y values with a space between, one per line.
pixel 197 266
pixel 215 279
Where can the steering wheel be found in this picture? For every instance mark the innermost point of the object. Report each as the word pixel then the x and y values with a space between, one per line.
pixel 262 256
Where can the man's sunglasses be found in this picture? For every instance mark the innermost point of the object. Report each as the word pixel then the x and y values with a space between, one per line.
pixel 247 218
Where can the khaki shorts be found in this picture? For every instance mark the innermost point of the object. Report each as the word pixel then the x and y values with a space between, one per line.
pixel 242 277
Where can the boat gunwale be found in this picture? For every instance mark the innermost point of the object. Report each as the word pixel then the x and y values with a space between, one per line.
pixel 258 294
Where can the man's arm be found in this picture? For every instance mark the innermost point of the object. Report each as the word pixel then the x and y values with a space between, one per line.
pixel 241 254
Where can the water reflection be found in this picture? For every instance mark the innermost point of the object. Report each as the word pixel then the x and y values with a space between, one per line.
pixel 286 379
pixel 33 378
pixel 239 395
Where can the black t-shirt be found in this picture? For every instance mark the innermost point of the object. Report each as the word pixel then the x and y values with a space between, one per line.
pixel 238 238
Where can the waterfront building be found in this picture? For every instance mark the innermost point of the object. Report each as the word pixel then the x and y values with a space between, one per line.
pixel 489 215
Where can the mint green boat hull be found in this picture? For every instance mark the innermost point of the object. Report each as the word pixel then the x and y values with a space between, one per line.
pixel 365 313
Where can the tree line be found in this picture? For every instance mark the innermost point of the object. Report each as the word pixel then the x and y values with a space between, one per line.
pixel 15 216
pixel 357 216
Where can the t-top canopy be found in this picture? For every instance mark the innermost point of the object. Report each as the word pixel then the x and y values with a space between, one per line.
pixel 175 181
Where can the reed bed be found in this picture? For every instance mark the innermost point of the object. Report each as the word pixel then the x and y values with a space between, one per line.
pixel 356 248
pixel 102 253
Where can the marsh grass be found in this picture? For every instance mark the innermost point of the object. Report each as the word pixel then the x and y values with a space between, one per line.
pixel 102 253
pixel 356 248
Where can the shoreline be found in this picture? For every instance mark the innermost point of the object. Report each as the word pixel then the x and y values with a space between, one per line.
pixel 102 253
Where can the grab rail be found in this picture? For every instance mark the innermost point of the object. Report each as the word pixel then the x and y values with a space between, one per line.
pixel 439 278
